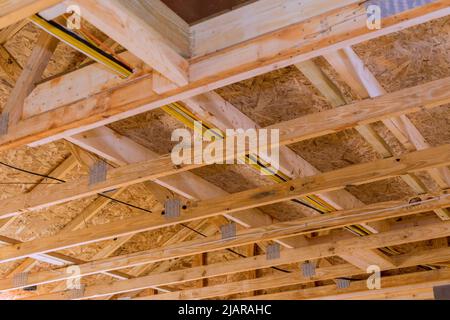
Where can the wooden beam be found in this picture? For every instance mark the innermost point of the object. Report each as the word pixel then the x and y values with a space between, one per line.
pixel 137 224
pixel 287 46
pixel 343 66
pixel 226 268
pixel 330 91
pixel 200 210
pixel 310 252
pixel 353 71
pixel 59 172
pixel 255 19
pixel 122 150
pixel 310 126
pixel 31 74
pixel 12 11
pixel 306 40
pixel 78 84
pixel 409 282
pixel 148 29
pixel 213 109
pixel 10 66
pixel 10 31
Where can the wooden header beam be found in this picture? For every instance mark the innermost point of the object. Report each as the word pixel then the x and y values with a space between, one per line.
pixel 390 285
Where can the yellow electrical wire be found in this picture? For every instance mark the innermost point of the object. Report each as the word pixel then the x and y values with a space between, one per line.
pixel 75 43
pixel 186 117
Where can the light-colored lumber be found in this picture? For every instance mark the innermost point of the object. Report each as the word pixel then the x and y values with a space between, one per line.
pixel 32 72
pixel 251 58
pixel 205 209
pixel 307 127
pixel 59 172
pixel 255 19
pixel 148 29
pixel 122 150
pixel 342 64
pixel 9 32
pixel 12 11
pixel 221 269
pixel 353 71
pixel 313 251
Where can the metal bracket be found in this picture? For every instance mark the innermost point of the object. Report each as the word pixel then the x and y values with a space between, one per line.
pixel 20 279
pixel 343 283
pixel 441 292
pixel 228 230
pixel 172 208
pixel 97 172
pixel 273 251
pixel 308 269
pixel 4 123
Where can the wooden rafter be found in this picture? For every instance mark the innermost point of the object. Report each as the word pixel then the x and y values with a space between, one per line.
pixel 290 132
pixel 353 175
pixel 174 61
pixel 399 286
pixel 352 69
pixel 31 74
pixel 144 28
pixel 180 276
pixel 312 251
pixel 213 71
pixel 223 115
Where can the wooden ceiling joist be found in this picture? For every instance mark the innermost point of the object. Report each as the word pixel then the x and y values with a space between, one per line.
pixel 119 149
pixel 405 284
pixel 306 127
pixel 177 65
pixel 351 68
pixel 223 115
pixel 256 56
pixel 202 272
pixel 32 73
pixel 310 252
pixel 353 175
